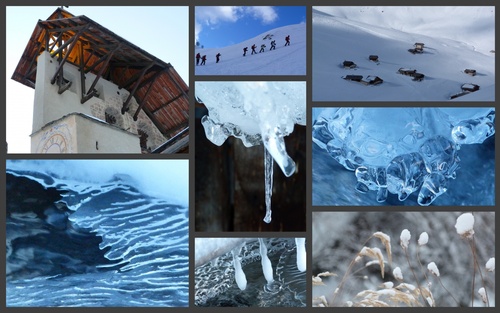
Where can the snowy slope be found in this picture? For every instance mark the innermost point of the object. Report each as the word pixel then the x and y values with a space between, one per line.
pixel 462 40
pixel 290 60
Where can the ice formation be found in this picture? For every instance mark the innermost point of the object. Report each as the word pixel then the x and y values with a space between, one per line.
pixel 267 267
pixel 216 257
pixel 300 243
pixel 239 275
pixel 256 113
pixel 401 150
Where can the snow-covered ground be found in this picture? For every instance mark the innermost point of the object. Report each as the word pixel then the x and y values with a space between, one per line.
pixel 455 38
pixel 289 60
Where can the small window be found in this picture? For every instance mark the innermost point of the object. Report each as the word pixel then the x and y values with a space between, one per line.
pixel 143 139
pixel 111 119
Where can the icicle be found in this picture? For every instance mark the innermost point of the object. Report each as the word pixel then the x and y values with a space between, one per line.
pixel 267 267
pixel 268 172
pixel 239 275
pixel 301 253
pixel 275 144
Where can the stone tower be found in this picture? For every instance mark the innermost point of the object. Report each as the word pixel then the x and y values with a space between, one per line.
pixel 95 92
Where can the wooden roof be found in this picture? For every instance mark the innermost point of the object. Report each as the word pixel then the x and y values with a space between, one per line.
pixel 159 90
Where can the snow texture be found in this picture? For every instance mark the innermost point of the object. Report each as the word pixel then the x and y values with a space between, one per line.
pixel 465 225
pixel 432 267
pixel 455 39
pixel 405 238
pixel 423 239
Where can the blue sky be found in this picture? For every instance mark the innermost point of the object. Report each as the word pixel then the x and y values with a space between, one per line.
pixel 161 31
pixel 218 26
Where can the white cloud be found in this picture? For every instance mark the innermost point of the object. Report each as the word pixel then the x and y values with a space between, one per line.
pixel 213 15
pixel 265 13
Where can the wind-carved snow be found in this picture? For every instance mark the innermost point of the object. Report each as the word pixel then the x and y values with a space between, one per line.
pixel 256 113
pixel 401 150
pixel 107 238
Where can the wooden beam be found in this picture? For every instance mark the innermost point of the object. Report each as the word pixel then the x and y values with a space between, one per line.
pixel 82 70
pixel 92 92
pixel 167 103
pixel 134 77
pixel 143 101
pixel 61 63
pixel 126 104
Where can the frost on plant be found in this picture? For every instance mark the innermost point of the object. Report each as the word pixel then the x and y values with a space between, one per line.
pixel 482 294
pixel 405 238
pixel 490 265
pixel 401 150
pixel 465 225
pixel 408 285
pixel 432 267
pixel 397 273
pixel 423 239
pixel 256 113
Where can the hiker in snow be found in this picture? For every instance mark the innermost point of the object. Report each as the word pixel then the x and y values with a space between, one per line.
pixel 287 39
pixel 273 45
pixel 253 48
pixel 217 57
pixel 245 51
pixel 198 56
pixel 262 46
pixel 203 59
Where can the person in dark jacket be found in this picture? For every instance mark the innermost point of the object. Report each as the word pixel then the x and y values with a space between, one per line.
pixel 198 56
pixel 203 59
pixel 217 57
pixel 253 48
pixel 262 48
pixel 273 45
pixel 245 51
pixel 287 39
